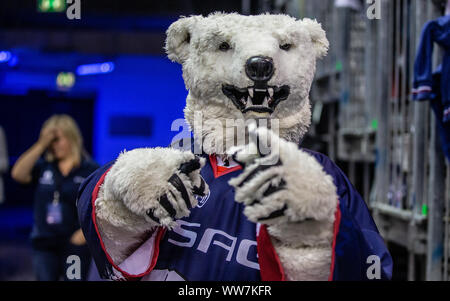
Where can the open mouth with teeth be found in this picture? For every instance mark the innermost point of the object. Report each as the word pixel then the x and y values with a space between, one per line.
pixel 257 99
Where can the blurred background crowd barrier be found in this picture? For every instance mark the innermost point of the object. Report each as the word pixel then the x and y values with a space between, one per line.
pixel 109 72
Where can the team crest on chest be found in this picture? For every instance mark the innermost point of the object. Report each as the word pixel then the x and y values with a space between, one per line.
pixel 202 199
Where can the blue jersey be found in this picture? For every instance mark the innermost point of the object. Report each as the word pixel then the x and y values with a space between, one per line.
pixel 217 239
pixel 425 87
pixel 434 86
pixel 218 242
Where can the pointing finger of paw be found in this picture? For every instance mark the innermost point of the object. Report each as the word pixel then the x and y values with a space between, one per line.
pixel 265 140
pixel 245 155
pixel 267 135
pixel 252 134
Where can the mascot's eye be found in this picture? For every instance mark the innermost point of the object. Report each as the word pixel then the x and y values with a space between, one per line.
pixel 285 47
pixel 224 46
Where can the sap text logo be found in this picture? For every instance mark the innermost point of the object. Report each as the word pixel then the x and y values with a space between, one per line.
pixel 209 240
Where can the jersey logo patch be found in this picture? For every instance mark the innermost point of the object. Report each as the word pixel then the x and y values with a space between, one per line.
pixel 202 199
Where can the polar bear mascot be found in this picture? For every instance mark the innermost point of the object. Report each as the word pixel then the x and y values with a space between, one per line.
pixel 243 201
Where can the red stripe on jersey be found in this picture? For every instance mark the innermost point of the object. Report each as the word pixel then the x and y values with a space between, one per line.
pixel 158 238
pixel 337 223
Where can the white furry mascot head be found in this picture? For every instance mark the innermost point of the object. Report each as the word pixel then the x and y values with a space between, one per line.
pixel 239 68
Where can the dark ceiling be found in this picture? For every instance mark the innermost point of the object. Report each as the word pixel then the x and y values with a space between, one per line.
pixel 24 13
pixel 106 26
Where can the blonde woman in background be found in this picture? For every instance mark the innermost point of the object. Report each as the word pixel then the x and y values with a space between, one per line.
pixel 56 165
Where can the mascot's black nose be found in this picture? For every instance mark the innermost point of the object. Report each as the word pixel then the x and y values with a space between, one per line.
pixel 259 68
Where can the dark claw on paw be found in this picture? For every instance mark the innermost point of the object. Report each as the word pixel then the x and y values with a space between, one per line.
pixel 178 184
pixel 164 201
pixel 274 214
pixel 190 166
pixel 199 190
pixel 150 214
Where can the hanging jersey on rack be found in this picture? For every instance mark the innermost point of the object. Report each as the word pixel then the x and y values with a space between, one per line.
pixel 436 31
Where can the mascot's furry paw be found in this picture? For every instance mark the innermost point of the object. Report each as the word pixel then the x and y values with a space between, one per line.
pixel 281 183
pixel 158 184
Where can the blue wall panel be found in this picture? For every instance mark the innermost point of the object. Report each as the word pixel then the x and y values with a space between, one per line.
pixel 139 86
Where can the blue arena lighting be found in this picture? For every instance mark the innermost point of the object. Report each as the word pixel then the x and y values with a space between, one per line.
pixel 13 61
pixel 5 56
pixel 91 69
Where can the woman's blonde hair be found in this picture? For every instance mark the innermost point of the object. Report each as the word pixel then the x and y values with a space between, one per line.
pixel 71 131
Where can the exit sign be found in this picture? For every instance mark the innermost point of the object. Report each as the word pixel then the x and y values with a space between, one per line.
pixel 51 6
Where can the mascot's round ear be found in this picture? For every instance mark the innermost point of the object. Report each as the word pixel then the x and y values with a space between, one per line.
pixel 318 36
pixel 179 38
